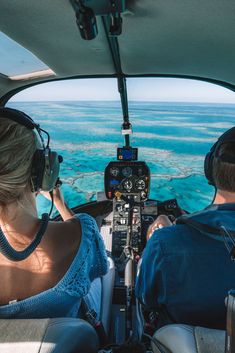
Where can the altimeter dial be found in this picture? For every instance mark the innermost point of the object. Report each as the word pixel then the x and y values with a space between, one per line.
pixel 127 185
pixel 140 184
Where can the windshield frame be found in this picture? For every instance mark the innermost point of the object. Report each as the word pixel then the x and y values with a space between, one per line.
pixel 6 97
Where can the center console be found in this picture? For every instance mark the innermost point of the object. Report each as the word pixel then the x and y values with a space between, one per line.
pixel 127 183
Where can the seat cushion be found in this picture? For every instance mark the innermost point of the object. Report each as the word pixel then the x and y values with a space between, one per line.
pixel 189 339
pixel 47 336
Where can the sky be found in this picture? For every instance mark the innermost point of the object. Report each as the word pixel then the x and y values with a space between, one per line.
pixel 139 89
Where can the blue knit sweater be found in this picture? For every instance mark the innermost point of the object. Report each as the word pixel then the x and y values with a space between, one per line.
pixel 64 299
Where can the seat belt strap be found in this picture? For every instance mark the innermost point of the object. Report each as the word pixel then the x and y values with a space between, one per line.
pixel 91 316
pixel 204 228
pixel 227 235
pixel 230 326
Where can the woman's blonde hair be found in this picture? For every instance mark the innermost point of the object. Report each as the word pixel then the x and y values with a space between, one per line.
pixel 17 147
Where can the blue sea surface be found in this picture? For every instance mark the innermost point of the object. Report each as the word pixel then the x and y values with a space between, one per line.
pixel 172 138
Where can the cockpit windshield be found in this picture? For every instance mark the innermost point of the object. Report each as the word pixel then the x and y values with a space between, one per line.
pixel 175 122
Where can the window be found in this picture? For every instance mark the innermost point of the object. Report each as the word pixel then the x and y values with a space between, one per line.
pixel 17 62
pixel 175 122
pixel 84 128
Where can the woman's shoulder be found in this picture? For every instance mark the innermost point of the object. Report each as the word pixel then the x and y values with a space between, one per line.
pixel 81 225
pixel 73 228
pixel 91 239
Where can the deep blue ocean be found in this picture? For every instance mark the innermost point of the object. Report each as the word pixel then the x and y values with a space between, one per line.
pixel 172 138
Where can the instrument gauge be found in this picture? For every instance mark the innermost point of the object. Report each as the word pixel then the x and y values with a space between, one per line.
pixel 127 172
pixel 114 172
pixel 140 184
pixel 127 185
pixel 143 195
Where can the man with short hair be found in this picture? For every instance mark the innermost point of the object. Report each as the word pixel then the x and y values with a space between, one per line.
pixel 186 269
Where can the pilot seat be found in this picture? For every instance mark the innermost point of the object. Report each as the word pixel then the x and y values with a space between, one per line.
pixel 177 338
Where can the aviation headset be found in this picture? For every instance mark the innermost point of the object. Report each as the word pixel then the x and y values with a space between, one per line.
pixel 46 163
pixel 227 137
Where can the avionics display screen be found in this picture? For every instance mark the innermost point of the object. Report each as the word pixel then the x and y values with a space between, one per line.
pixel 127 154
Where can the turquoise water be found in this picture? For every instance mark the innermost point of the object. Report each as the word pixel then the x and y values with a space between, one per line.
pixel 172 138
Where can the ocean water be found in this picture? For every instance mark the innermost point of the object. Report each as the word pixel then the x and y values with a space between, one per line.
pixel 172 138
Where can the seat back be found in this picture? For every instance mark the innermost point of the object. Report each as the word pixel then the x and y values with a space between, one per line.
pixel 107 295
pixel 47 336
pixel 188 339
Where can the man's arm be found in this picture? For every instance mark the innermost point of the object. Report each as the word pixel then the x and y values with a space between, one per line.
pixel 150 284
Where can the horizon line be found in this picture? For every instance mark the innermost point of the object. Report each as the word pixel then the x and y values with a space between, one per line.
pixel 117 100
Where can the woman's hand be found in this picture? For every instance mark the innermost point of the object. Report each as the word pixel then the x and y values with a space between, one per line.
pixel 161 222
pixel 57 195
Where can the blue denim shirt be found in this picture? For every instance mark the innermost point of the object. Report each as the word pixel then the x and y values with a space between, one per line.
pixel 187 273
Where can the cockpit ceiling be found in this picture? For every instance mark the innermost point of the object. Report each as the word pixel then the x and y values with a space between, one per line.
pixel 167 37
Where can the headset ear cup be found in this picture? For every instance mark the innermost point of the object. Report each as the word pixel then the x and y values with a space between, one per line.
pixel 51 171
pixel 38 166
pixel 208 167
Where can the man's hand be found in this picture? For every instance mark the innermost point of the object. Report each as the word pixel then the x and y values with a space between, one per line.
pixel 161 222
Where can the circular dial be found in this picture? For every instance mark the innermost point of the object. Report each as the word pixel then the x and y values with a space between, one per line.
pixel 143 195
pixel 127 172
pixel 140 184
pixel 114 171
pixel 127 185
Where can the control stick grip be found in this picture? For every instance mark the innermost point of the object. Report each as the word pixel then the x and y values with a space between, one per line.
pixel 129 273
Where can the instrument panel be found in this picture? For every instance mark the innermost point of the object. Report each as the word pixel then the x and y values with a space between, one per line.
pixel 127 177
pixel 143 216
pixel 121 220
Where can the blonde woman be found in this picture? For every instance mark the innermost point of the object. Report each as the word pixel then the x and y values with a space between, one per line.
pixel 69 256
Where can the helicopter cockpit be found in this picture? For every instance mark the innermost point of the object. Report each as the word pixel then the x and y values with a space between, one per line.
pixel 57 41
pixel 124 213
